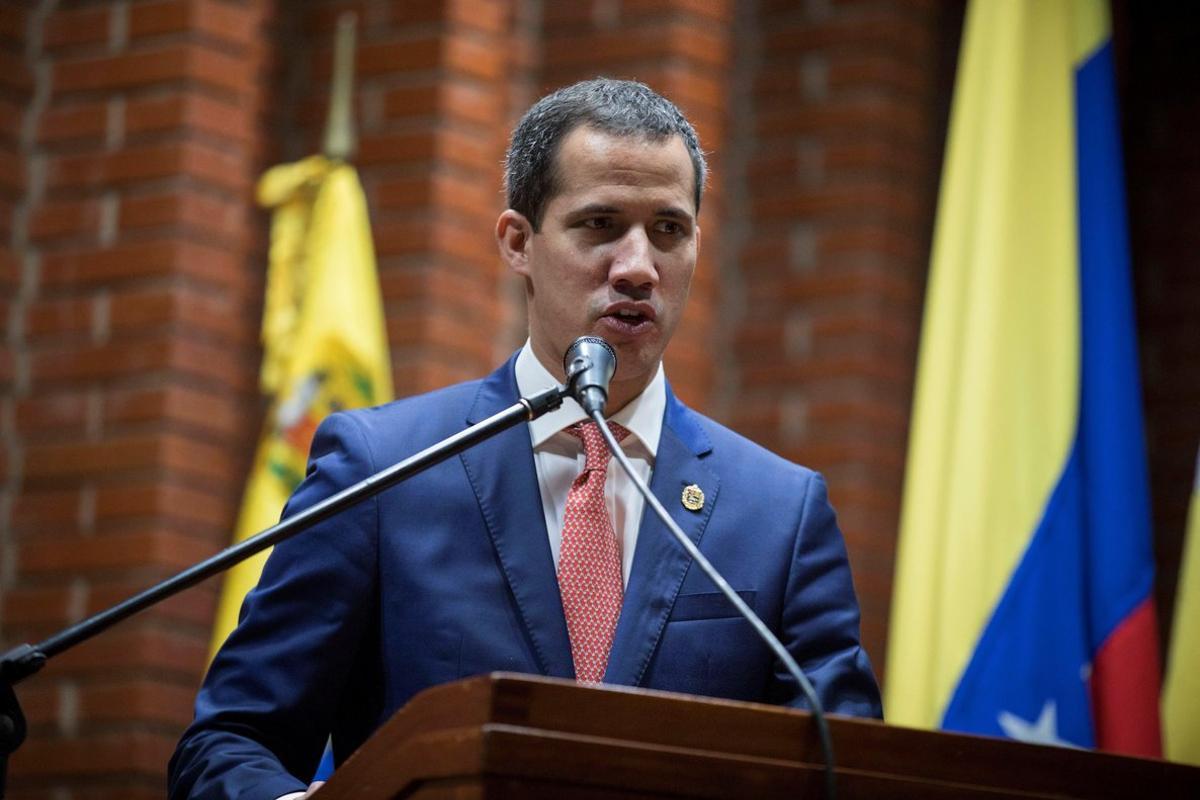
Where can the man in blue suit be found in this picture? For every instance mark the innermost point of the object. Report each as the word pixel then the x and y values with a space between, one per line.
pixel 453 573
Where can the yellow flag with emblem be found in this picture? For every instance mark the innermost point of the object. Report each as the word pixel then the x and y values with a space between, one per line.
pixel 324 342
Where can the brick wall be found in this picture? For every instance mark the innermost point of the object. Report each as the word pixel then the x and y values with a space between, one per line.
pixel 129 143
pixel 837 140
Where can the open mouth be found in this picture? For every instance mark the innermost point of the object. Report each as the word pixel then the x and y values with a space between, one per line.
pixel 629 316
pixel 628 321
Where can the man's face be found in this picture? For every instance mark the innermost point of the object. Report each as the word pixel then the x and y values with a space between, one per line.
pixel 615 254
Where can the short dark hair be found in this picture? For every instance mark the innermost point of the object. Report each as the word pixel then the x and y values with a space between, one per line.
pixel 615 107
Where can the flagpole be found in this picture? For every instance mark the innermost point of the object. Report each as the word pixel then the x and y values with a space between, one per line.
pixel 340 142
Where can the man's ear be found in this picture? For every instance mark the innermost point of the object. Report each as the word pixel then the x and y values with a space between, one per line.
pixel 514 237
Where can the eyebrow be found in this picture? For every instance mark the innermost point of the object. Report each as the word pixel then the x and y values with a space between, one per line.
pixel 671 212
pixel 674 213
pixel 596 208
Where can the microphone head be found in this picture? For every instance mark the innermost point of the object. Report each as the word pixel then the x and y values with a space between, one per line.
pixel 588 352
pixel 589 364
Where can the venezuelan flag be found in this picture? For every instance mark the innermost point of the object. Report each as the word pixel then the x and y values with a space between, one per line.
pixel 1023 602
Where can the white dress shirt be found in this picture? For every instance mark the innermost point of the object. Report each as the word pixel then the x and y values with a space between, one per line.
pixel 558 456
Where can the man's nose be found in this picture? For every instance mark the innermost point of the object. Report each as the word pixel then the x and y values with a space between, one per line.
pixel 633 261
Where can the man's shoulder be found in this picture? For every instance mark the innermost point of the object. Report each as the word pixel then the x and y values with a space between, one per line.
pixel 450 402
pixel 728 445
pixel 403 426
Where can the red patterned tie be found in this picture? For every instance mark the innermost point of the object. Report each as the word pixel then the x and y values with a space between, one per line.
pixel 589 562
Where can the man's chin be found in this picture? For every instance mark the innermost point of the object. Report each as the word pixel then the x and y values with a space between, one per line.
pixel 635 369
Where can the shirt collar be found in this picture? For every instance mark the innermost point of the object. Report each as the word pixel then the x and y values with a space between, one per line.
pixel 643 415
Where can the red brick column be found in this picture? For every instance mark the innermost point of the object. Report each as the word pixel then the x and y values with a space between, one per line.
pixel 130 141
pixel 684 50
pixel 837 145
pixel 432 84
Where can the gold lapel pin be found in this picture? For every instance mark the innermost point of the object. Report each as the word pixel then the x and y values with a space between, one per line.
pixel 693 498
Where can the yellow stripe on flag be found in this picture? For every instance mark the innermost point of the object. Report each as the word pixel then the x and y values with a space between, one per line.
pixel 1181 689
pixel 995 406
pixel 324 341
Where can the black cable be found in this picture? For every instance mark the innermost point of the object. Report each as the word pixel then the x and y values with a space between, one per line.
pixel 759 626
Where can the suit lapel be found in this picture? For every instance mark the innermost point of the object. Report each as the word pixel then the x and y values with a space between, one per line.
pixel 502 474
pixel 659 563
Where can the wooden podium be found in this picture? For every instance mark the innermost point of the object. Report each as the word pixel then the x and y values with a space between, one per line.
pixel 516 736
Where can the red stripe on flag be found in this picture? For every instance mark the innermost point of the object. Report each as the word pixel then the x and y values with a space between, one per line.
pixel 1125 676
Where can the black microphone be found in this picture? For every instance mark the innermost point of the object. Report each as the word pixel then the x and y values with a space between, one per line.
pixel 589 363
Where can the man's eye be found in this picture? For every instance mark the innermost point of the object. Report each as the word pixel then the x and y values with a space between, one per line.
pixel 669 227
pixel 597 223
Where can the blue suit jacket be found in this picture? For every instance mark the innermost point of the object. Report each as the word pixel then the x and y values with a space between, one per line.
pixel 450 574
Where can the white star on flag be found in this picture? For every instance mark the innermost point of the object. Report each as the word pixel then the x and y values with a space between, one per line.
pixel 1043 731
